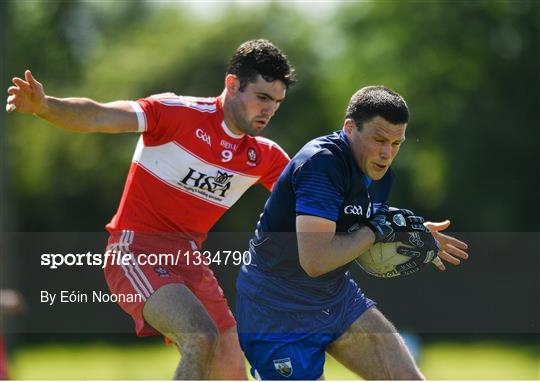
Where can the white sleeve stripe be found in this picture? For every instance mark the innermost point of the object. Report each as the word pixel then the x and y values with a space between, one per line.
pixel 141 117
pixel 272 144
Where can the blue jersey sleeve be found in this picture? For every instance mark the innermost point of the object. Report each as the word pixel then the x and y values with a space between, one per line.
pixel 319 186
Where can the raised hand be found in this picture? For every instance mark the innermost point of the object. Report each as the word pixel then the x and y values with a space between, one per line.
pixel 26 96
pixel 452 249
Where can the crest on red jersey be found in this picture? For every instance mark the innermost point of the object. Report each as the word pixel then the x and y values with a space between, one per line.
pixel 252 156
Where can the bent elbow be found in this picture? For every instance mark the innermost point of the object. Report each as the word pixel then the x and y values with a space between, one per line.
pixel 311 268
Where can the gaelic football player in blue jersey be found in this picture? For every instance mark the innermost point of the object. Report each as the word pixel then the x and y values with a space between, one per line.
pixel 296 300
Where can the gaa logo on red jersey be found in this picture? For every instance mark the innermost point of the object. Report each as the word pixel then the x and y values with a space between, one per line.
pixel 204 137
pixel 217 184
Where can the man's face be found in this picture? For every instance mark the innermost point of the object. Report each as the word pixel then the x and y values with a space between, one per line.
pixel 376 145
pixel 253 107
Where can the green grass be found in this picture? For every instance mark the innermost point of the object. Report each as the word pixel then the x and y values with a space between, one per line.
pixel 493 361
pixel 486 360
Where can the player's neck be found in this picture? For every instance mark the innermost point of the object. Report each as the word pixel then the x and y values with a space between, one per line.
pixel 229 123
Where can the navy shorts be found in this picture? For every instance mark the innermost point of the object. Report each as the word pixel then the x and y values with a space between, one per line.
pixel 281 344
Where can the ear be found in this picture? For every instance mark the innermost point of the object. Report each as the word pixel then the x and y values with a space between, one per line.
pixel 349 126
pixel 232 84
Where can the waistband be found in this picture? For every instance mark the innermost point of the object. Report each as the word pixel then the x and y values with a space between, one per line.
pixel 157 241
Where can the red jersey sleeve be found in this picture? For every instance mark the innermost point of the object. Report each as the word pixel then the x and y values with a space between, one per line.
pixel 158 119
pixel 278 162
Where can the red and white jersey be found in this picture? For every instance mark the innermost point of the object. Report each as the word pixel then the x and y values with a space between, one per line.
pixel 189 168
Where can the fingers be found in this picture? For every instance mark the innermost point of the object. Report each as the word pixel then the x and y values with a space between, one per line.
pixel 438 263
pixel 435 227
pixel 10 107
pixel 20 83
pixel 449 240
pixel 13 90
pixel 28 76
pixel 456 252
pixel 30 79
pixel 452 249
pixel 26 96
pixel 30 82
pixel 449 258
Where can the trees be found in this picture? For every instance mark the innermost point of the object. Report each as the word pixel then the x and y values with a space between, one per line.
pixel 468 71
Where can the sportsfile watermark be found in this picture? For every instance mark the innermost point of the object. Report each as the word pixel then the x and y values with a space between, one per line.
pixel 65 274
pixel 117 257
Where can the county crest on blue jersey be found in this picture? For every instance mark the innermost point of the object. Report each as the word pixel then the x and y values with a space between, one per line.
pixel 283 366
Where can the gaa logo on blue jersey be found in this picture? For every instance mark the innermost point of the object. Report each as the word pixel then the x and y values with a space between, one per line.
pixel 356 209
pixel 283 366
pixel 353 210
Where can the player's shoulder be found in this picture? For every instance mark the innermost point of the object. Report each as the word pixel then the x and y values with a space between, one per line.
pixel 200 104
pixel 269 145
pixel 328 150
pixel 320 160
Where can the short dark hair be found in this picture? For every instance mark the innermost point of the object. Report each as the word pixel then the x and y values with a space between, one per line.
pixel 256 57
pixel 372 101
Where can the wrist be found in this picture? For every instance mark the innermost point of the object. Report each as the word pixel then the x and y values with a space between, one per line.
pixel 375 231
pixel 372 237
pixel 371 231
pixel 364 239
pixel 43 110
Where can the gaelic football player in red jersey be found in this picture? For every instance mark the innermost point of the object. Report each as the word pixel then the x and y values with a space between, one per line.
pixel 194 159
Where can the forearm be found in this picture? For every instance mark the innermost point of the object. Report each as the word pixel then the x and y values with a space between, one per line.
pixel 86 116
pixel 327 255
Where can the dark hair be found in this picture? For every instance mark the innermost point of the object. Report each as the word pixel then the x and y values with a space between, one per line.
pixel 372 101
pixel 256 57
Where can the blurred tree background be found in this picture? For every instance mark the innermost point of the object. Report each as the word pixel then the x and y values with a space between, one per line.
pixel 469 70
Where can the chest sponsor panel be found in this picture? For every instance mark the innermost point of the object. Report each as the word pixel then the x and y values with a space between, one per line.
pixel 185 171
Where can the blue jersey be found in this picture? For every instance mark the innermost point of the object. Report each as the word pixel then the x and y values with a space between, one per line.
pixel 322 180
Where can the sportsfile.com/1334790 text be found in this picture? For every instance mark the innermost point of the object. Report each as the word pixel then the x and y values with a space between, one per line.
pixel 116 257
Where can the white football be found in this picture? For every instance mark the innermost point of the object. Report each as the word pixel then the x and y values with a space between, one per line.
pixel 381 259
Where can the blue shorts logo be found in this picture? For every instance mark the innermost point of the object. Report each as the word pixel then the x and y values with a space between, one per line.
pixel 284 366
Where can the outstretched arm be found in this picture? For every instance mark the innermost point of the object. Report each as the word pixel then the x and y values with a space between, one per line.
pixel 75 114
pixel 452 249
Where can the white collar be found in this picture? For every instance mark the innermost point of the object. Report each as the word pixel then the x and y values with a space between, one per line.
pixel 229 131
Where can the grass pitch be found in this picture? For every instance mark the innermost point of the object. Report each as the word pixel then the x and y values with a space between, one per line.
pixel 102 361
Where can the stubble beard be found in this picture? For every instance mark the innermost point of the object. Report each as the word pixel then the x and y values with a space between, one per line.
pixel 244 125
